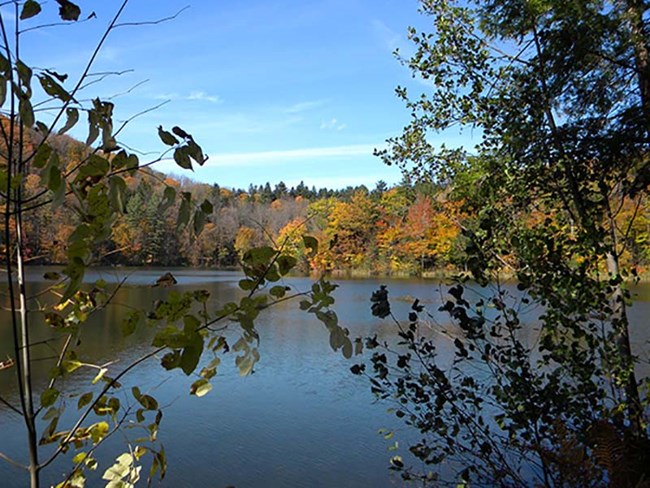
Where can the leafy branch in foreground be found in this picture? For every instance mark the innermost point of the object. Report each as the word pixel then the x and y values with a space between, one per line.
pixel 90 189
pixel 559 94
pixel 185 331
pixel 499 401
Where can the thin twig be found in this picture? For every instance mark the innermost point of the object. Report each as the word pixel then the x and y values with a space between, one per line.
pixel 152 22
pixel 10 406
pixel 11 461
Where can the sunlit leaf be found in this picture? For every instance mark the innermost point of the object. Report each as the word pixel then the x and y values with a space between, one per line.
pixel 99 375
pixel 200 387
pixel 311 243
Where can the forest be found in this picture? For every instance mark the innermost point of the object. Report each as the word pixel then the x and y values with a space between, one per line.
pixel 541 230
pixel 416 227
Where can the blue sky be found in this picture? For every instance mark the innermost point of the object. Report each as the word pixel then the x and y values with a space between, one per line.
pixel 273 90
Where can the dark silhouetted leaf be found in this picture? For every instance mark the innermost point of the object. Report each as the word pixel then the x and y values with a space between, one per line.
pixel 166 137
pixel 30 9
pixel 68 10
pixel 72 117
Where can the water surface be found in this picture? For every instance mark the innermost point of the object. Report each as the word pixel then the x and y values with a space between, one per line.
pixel 301 420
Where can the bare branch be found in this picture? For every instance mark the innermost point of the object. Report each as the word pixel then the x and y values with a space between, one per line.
pixel 54 24
pixel 138 84
pixel 10 406
pixel 139 114
pixel 102 76
pixel 152 22
pixel 11 461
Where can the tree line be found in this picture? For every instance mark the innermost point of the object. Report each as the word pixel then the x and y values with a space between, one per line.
pixel 413 227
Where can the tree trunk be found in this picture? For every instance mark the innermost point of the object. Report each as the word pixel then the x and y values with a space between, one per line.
pixel 620 326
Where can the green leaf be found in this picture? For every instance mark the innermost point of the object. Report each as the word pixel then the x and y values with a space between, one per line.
pixel 311 243
pixel 198 222
pixel 148 402
pixel 180 132
pixel 182 158
pixel 42 156
pixel 52 276
pixel 135 391
pixel 286 264
pixel 26 112
pixel 195 152
pixel 192 354
pixel 259 255
pixel 24 73
pixel 184 211
pixel 132 163
pixel 278 291
pixel 98 431
pixel 58 76
pixel 117 193
pixel 93 127
pixel 247 284
pixel 3 90
pixel 99 375
pixel 5 66
pixel 30 9
pixel 347 349
pixel 169 195
pixel 166 137
pixel 130 323
pixel 200 387
pixel 68 10
pixel 71 365
pixel 54 320
pixel 96 166
pixel 53 89
pixel 72 117
pixel 84 399
pixel 79 457
pixel 171 360
pixel 49 396
pixel 207 207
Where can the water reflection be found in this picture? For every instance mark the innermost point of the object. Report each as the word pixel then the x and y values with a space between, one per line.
pixel 300 420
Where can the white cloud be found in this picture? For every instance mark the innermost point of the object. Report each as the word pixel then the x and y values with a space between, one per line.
pixel 199 95
pixel 304 106
pixel 392 40
pixel 109 53
pixel 332 124
pixel 288 156
pixel 193 96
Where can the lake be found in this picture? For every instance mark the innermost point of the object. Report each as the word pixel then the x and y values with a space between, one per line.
pixel 301 420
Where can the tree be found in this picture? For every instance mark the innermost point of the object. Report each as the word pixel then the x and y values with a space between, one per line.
pixel 559 92
pixel 89 187
pixel 351 231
